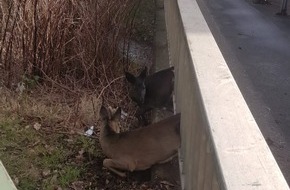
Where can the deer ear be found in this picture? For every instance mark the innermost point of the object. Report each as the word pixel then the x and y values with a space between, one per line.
pixel 117 114
pixel 130 78
pixel 104 113
pixel 143 74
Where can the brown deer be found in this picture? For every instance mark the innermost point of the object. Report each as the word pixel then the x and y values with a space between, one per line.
pixel 153 91
pixel 137 149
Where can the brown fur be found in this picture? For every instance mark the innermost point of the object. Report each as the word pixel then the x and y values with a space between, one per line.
pixel 138 149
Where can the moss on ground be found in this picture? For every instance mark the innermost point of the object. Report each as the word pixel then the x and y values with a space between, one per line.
pixel 37 159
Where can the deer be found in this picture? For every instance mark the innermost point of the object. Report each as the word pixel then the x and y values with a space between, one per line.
pixel 137 149
pixel 153 91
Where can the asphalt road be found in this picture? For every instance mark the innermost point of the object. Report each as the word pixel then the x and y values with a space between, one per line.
pixel 256 46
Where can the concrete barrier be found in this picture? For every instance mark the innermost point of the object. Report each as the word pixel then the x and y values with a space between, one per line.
pixel 222 146
pixel 5 181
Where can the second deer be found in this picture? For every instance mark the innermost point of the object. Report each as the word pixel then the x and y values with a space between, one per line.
pixel 153 91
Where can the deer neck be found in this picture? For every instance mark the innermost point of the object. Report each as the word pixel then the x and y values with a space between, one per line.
pixel 107 139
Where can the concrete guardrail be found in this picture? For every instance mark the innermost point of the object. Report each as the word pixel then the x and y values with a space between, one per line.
pixel 5 181
pixel 222 146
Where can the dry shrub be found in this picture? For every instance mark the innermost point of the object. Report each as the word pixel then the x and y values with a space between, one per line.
pixel 67 45
pixel 73 42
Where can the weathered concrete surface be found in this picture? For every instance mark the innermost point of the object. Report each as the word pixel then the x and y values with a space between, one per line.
pixel 256 45
pixel 5 181
pixel 222 145
pixel 161 59
pixel 169 171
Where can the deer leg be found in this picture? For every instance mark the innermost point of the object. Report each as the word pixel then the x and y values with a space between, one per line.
pixel 113 165
pixel 168 105
pixel 142 120
pixel 140 114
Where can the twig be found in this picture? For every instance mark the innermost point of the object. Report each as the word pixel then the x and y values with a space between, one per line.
pixel 53 81
pixel 108 86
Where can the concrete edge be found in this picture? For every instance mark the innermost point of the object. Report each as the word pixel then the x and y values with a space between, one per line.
pixel 242 156
pixel 6 182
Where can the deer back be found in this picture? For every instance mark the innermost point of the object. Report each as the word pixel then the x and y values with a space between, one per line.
pixel 144 146
pixel 159 88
